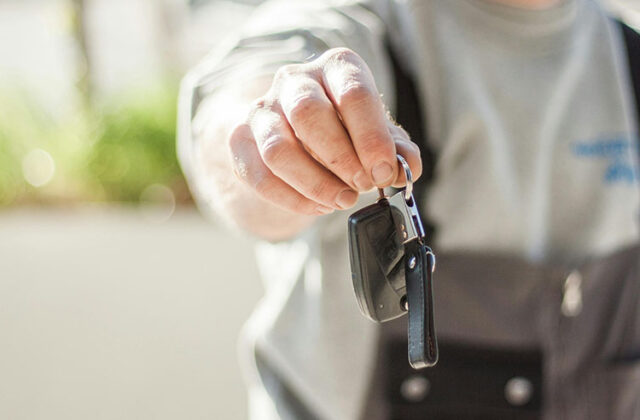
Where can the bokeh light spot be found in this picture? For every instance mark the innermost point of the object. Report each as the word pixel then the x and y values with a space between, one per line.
pixel 157 203
pixel 38 167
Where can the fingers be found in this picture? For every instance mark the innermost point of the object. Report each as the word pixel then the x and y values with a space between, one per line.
pixel 315 123
pixel 286 158
pixel 351 88
pixel 249 168
pixel 320 135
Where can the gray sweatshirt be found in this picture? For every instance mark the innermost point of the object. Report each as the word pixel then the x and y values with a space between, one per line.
pixel 530 115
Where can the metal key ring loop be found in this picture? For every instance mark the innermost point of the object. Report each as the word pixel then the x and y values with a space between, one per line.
pixel 407 173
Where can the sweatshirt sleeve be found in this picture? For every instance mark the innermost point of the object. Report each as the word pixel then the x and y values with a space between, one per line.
pixel 280 32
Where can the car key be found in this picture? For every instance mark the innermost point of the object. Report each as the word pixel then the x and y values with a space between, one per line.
pixel 392 268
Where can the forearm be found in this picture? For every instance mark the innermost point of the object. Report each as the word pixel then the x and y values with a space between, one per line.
pixel 301 167
pixel 217 185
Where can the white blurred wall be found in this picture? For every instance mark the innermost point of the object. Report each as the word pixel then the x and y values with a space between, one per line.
pixel 131 43
pixel 104 315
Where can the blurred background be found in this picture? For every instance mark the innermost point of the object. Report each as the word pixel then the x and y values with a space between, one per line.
pixel 117 299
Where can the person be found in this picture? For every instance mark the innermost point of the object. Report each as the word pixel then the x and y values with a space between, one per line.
pixel 527 110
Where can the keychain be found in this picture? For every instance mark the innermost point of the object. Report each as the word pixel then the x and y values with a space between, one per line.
pixel 392 268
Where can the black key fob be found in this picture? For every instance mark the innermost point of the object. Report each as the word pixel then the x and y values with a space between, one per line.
pixel 377 265
pixel 392 268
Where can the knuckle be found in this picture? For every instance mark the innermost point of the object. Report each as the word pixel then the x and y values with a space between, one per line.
pixel 276 151
pixel 321 190
pixel 374 142
pixel 345 161
pixel 285 72
pixel 304 108
pixel 357 94
pixel 235 142
pixel 241 130
pixel 260 105
pixel 399 132
pixel 240 140
pixel 342 54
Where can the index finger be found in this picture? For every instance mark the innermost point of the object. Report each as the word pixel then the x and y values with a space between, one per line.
pixel 351 87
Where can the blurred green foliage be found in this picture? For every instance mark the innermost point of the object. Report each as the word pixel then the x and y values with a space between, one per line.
pixel 107 152
pixel 135 145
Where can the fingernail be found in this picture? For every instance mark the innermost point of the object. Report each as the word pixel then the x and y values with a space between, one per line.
pixel 382 173
pixel 346 199
pixel 362 181
pixel 324 210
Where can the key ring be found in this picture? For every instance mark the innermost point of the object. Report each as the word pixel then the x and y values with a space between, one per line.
pixel 407 173
pixel 408 176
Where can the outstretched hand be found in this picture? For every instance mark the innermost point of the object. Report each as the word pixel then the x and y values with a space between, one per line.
pixel 319 137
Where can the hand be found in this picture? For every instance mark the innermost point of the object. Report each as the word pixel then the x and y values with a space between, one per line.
pixel 320 136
